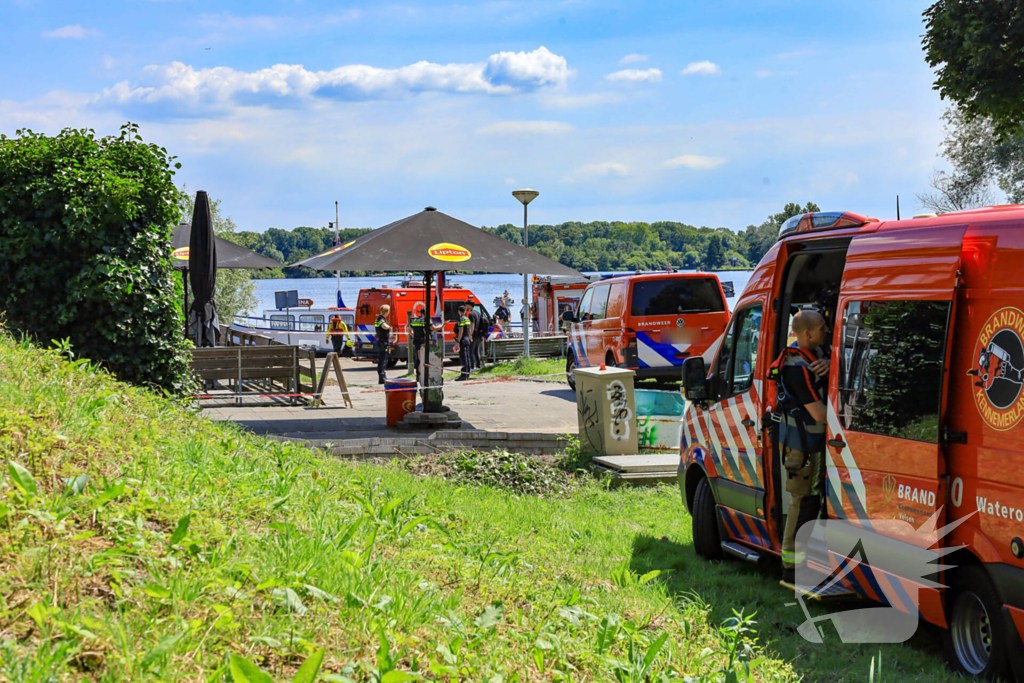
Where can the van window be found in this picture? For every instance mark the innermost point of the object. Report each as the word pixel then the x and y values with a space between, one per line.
pixel 583 312
pixel 673 296
pixel 451 310
pixel 599 304
pixel 891 366
pixel 737 362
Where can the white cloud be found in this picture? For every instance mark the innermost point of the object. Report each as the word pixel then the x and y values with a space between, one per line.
pixel 635 75
pixel 602 170
pixel 694 161
pixel 632 59
pixel 704 68
pixel 558 101
pixel 765 73
pixel 108 62
pixel 526 128
pixel 503 73
pixel 71 31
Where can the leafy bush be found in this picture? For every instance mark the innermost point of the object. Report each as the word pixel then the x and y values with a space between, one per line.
pixel 85 226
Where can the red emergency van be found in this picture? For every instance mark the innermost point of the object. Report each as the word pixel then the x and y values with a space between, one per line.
pixel 403 300
pixel 647 322
pixel 554 296
pixel 925 407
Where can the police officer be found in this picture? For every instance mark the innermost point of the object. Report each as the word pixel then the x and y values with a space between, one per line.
pixel 417 331
pixel 801 375
pixel 338 335
pixel 383 342
pixel 463 339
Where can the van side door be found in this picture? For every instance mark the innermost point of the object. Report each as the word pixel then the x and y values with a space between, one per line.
pixel 579 330
pixel 889 373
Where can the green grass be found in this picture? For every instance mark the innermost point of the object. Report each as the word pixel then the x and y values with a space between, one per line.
pixel 522 367
pixel 139 541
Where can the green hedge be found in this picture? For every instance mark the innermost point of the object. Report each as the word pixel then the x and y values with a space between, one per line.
pixel 85 250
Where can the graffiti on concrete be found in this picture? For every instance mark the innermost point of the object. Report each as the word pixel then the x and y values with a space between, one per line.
pixel 620 412
pixel 589 418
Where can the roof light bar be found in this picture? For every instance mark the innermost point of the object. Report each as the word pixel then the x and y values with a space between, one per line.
pixel 823 220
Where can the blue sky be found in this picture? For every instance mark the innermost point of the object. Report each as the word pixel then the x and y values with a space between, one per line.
pixel 709 113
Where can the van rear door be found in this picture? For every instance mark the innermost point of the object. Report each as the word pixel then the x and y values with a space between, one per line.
pixel 887 391
pixel 675 318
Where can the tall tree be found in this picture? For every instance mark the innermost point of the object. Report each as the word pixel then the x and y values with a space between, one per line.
pixel 977 48
pixel 716 252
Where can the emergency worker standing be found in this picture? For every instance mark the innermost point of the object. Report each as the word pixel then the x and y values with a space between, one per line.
pixel 338 335
pixel 801 377
pixel 383 342
pixel 417 331
pixel 463 330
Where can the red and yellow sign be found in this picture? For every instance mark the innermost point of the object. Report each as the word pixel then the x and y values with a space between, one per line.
pixel 180 254
pixel 347 244
pixel 445 251
pixel 999 371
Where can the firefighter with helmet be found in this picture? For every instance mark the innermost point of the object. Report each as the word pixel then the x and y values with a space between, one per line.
pixel 801 379
pixel 339 337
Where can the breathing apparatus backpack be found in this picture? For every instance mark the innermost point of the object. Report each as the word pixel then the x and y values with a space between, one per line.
pixel 789 409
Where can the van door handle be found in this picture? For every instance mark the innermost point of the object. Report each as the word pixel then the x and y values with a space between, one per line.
pixel 837 443
pixel 747 423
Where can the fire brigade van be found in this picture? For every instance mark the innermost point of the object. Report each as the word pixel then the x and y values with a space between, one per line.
pixel 924 412
pixel 403 300
pixel 553 296
pixel 647 322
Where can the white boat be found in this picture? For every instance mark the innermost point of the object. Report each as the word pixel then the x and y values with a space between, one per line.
pixel 304 327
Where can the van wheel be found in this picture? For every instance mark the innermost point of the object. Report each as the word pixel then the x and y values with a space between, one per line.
pixel 705 523
pixel 978 640
pixel 570 370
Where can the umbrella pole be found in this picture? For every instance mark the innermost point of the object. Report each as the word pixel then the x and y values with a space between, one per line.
pixel 184 285
pixel 432 369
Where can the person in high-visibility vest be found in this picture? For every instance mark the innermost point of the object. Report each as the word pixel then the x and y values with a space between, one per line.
pixel 383 328
pixel 416 331
pixel 338 335
pixel 463 330
pixel 801 381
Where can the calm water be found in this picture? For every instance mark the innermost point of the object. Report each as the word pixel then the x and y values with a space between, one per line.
pixel 485 286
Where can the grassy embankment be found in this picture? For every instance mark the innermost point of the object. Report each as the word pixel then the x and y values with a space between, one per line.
pixel 547 369
pixel 139 541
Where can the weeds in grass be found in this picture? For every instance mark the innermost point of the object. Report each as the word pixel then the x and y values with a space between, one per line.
pixel 139 541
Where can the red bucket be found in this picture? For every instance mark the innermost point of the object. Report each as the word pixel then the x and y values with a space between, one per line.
pixel 400 398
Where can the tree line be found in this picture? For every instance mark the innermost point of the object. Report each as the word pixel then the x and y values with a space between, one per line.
pixel 593 246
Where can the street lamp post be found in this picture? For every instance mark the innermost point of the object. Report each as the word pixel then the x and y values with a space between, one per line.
pixel 526 195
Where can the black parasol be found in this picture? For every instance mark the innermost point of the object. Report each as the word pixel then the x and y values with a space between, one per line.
pixel 432 241
pixel 229 254
pixel 202 267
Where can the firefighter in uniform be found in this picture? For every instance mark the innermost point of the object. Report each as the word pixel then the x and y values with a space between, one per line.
pixel 338 335
pixel 463 330
pixel 801 378
pixel 383 342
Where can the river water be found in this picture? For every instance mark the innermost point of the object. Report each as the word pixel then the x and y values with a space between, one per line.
pixel 486 286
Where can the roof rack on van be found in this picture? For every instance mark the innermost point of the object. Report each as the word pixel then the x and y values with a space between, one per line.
pixel 823 220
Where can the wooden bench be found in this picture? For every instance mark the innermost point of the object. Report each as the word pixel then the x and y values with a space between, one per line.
pixel 238 364
pixel 540 347
pixel 307 357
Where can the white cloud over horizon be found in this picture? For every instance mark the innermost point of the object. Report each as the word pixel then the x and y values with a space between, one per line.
pixel 73 31
pixel 693 161
pixel 635 76
pixel 509 128
pixel 703 68
pixel 503 73
pixel 632 59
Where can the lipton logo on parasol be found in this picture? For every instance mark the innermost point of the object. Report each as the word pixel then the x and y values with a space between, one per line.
pixel 999 369
pixel 336 249
pixel 445 251
pixel 180 254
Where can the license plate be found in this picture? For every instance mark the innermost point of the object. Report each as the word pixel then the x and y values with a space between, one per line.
pixel 367 346
pixel 680 335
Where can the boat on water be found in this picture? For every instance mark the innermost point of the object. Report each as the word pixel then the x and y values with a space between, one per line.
pixel 305 327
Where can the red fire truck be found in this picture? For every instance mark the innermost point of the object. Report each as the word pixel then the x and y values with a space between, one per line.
pixel 925 406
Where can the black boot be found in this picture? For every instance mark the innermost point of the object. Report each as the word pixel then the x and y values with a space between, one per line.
pixel 381 379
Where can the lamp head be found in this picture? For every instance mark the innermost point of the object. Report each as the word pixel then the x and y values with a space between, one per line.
pixel 525 195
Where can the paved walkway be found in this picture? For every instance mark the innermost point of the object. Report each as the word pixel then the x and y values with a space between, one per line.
pixel 520 406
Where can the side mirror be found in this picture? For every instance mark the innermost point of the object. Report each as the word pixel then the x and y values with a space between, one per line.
pixel 695 379
pixel 568 317
pixel 729 289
